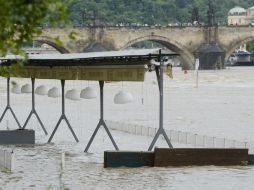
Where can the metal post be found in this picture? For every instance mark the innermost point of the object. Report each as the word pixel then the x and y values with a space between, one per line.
pixel 101 121
pixel 8 106
pixel 63 117
pixel 33 111
pixel 161 131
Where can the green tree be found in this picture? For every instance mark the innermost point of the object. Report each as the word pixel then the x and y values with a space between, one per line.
pixel 20 21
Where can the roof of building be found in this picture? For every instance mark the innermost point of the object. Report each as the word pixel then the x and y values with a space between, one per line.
pixel 237 11
pixel 251 8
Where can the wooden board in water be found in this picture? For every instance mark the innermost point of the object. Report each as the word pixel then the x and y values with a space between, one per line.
pixel 128 159
pixel 199 157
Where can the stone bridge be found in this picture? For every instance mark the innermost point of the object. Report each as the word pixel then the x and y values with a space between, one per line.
pixel 182 40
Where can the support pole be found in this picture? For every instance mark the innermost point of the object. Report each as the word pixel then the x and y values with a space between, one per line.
pixel 161 131
pixel 63 117
pixel 101 121
pixel 33 111
pixel 8 106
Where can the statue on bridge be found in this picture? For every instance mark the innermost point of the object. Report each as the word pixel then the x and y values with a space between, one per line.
pixel 211 14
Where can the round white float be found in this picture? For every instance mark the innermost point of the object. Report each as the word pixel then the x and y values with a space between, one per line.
pixel 123 97
pixel 41 90
pixel 54 92
pixel 27 88
pixel 16 89
pixel 72 94
pixel 88 93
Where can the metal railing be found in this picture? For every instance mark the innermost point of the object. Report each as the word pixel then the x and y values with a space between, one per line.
pixel 6 160
pixel 178 137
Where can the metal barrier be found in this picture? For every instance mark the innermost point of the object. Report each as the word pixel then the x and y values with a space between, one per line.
pixel 6 160
pixel 179 137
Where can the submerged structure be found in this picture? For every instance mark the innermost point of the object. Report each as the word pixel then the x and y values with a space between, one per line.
pixel 128 65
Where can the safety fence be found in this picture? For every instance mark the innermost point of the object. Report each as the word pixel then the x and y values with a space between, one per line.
pixel 6 160
pixel 178 137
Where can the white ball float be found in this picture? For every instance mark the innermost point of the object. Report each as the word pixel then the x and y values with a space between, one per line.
pixel 72 94
pixel 41 90
pixel 88 93
pixel 16 89
pixel 27 88
pixel 54 92
pixel 123 97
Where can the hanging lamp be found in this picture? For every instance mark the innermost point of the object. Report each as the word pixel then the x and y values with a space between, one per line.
pixel 54 92
pixel 72 94
pixel 123 97
pixel 88 93
pixel 16 89
pixel 41 90
pixel 27 88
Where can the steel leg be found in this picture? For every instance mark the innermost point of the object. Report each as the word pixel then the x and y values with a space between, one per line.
pixel 33 111
pixel 101 121
pixel 8 107
pixel 161 131
pixel 109 134
pixel 63 117
pixel 92 137
pixel 53 133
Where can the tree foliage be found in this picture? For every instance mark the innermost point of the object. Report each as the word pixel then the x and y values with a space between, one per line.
pixel 20 20
pixel 147 11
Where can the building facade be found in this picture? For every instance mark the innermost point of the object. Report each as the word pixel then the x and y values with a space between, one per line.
pixel 241 16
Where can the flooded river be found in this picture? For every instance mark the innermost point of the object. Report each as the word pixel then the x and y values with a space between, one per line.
pixel 221 106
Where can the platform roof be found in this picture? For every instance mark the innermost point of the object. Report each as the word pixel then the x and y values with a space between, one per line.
pixel 125 57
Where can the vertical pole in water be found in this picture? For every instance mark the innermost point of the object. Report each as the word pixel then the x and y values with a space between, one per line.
pixel 196 69
pixel 161 130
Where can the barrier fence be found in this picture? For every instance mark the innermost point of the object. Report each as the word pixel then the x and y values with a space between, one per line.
pixel 179 137
pixel 6 160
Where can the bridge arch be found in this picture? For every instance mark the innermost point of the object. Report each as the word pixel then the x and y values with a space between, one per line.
pixel 187 57
pixel 51 42
pixel 237 44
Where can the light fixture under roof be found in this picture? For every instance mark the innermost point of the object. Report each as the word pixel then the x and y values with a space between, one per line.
pixel 27 88
pixel 72 94
pixel 16 89
pixel 123 97
pixel 54 92
pixel 41 90
pixel 88 93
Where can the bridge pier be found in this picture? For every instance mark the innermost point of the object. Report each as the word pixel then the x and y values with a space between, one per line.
pixel 211 57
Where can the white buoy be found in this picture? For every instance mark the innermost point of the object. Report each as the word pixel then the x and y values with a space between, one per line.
pixel 16 89
pixel 41 90
pixel 54 92
pixel 88 93
pixel 72 94
pixel 27 88
pixel 123 97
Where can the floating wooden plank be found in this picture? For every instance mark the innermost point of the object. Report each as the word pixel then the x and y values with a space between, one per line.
pixel 23 136
pixel 128 159
pixel 199 157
